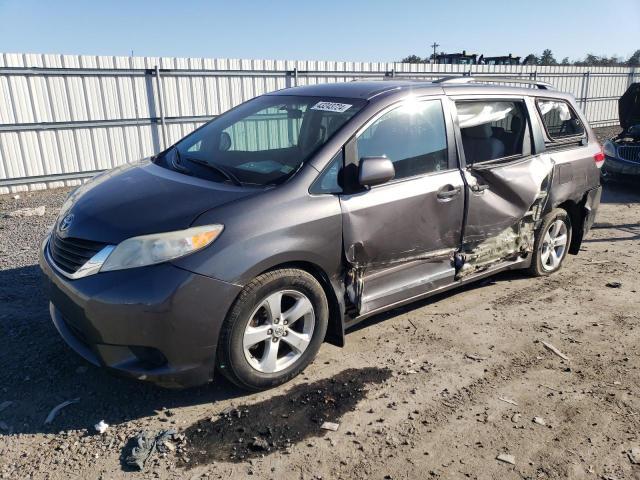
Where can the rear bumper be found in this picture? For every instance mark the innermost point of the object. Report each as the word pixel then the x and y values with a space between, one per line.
pixel 157 323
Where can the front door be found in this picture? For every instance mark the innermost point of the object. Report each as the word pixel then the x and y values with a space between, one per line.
pixel 399 237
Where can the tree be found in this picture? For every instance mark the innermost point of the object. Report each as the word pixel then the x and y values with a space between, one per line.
pixel 530 59
pixel 547 58
pixel 634 60
pixel 413 59
pixel 565 61
pixel 604 61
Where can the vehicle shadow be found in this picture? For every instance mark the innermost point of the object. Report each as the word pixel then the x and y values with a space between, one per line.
pixel 38 371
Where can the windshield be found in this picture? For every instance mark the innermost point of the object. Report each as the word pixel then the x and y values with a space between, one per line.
pixel 263 141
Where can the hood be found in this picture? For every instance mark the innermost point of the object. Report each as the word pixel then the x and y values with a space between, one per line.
pixel 140 199
pixel 629 107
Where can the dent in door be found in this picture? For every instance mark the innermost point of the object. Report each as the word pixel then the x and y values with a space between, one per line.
pixel 400 237
pixel 501 218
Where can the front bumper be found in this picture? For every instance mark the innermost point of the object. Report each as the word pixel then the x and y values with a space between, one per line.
pixel 158 323
pixel 620 169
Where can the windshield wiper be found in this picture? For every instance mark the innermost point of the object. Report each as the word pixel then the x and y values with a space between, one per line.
pixel 176 162
pixel 220 169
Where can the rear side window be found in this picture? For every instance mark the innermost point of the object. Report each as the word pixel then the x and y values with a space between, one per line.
pixel 413 136
pixel 559 119
pixel 492 130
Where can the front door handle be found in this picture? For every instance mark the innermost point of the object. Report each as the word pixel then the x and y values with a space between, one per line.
pixel 448 191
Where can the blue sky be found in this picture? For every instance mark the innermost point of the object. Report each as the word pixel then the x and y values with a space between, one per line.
pixel 326 29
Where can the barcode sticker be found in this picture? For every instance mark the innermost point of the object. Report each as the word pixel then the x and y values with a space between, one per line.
pixel 331 107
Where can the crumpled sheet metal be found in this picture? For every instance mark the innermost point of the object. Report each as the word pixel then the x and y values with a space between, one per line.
pixel 512 191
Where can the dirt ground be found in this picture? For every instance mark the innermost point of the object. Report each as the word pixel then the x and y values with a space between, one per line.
pixel 437 389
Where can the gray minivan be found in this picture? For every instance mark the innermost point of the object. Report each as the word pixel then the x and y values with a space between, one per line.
pixel 290 218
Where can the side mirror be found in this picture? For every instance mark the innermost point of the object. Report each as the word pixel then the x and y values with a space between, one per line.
pixel 375 171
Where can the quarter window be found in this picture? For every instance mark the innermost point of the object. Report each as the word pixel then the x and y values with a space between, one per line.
pixel 559 119
pixel 492 130
pixel 413 136
pixel 329 180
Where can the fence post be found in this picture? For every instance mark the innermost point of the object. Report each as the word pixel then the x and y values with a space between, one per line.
pixel 586 93
pixel 161 107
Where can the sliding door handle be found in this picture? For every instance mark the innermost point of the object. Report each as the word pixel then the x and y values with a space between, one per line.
pixel 477 188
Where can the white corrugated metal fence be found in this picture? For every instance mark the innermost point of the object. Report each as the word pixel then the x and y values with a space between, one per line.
pixel 65 117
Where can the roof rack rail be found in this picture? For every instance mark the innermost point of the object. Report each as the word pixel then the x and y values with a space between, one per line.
pixel 469 79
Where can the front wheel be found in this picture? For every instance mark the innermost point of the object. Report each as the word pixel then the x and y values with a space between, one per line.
pixel 551 243
pixel 274 329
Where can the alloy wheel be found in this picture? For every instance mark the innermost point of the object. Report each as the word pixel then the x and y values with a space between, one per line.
pixel 554 245
pixel 279 331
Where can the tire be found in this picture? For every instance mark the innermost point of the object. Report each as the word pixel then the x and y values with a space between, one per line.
pixel 253 318
pixel 546 260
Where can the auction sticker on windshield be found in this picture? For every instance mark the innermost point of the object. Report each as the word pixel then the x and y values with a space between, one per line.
pixel 331 107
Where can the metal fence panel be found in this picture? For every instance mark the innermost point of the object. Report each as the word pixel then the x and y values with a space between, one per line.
pixel 65 117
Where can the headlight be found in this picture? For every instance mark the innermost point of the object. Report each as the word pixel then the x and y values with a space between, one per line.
pixel 609 149
pixel 161 247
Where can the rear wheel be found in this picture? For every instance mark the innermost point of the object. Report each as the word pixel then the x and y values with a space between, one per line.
pixel 274 330
pixel 552 243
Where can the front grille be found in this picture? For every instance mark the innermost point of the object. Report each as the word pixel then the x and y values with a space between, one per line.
pixel 629 153
pixel 69 254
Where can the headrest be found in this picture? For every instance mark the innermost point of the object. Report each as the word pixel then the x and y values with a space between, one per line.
pixel 479 131
pixel 516 124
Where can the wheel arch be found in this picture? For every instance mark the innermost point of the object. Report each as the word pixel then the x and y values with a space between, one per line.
pixel 334 293
pixel 576 214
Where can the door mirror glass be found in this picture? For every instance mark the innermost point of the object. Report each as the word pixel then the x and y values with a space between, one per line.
pixel 375 171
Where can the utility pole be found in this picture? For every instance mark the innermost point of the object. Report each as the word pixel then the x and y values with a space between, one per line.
pixel 434 46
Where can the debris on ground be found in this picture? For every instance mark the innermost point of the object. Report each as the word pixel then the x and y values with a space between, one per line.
pixel 330 426
pixel 634 455
pixel 145 444
pixel 508 400
pixel 259 443
pixel 101 426
pixel 613 284
pixel 27 212
pixel 554 350
pixel 539 421
pixel 506 458
pixel 515 418
pixel 54 411
pixel 474 357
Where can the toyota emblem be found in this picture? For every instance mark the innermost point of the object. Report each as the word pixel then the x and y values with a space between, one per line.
pixel 65 223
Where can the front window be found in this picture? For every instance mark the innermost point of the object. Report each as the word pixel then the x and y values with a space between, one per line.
pixel 264 141
pixel 413 136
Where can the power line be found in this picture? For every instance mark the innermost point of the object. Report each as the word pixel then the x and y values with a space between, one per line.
pixel 434 46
